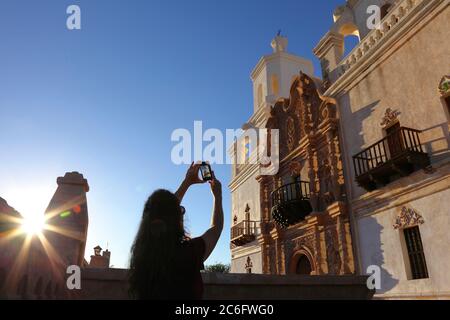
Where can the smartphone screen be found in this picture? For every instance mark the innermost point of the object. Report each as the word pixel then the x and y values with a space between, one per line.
pixel 205 170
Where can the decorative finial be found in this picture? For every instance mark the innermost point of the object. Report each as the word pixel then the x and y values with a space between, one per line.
pixel 279 43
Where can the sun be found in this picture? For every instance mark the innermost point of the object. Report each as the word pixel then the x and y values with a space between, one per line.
pixel 33 224
pixel 31 203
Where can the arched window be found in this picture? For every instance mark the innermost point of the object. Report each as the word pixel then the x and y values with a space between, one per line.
pixel 259 95
pixel 275 85
pixel 351 37
pixel 350 42
pixel 246 149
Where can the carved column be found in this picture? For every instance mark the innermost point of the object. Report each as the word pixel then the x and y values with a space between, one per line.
pixel 263 240
pixel 275 247
pixel 264 200
pixel 313 178
pixel 338 212
pixel 281 255
pixel 321 248
pixel 332 158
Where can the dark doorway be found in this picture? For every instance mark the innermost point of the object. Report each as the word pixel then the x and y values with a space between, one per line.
pixel 303 266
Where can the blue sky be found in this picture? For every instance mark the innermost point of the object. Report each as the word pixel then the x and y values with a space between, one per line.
pixel 105 99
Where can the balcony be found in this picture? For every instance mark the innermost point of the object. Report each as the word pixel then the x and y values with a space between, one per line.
pixel 290 203
pixel 244 232
pixel 397 155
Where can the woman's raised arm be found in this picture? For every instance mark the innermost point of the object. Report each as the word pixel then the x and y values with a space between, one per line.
pixel 190 179
pixel 212 235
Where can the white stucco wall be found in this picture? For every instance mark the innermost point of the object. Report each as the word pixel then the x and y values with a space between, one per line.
pixel 247 193
pixel 238 264
pixel 407 82
pixel 382 245
pixel 404 78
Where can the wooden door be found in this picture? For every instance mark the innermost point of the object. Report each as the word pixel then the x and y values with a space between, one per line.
pixel 394 140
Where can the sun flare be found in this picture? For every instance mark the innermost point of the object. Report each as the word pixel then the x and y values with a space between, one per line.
pixel 33 224
pixel 30 203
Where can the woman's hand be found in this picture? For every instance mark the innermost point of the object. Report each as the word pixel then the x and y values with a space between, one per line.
pixel 216 187
pixel 192 175
pixel 190 179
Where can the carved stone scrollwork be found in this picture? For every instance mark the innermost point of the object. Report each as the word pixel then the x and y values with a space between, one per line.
pixel 295 168
pixel 390 117
pixel 312 174
pixel 290 133
pixel 444 86
pixel 408 218
pixel 333 256
pixel 327 109
pixel 325 169
pixel 305 241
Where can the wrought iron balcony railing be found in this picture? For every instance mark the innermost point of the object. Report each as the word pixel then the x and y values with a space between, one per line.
pixel 397 155
pixel 290 203
pixel 244 232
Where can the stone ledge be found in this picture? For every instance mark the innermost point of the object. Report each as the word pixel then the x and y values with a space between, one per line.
pixel 112 284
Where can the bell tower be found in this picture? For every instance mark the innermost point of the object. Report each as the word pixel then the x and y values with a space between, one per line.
pixel 272 77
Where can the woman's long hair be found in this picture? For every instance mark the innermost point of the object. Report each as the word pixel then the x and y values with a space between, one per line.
pixel 160 232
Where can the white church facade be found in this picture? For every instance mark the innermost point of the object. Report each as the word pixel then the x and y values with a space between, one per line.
pixel 364 174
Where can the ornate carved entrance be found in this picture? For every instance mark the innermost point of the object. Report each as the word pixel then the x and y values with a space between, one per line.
pixel 302 263
pixel 310 151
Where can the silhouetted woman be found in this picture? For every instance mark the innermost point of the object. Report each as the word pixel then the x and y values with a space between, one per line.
pixel 165 263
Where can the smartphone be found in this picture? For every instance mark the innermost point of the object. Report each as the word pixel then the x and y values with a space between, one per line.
pixel 205 170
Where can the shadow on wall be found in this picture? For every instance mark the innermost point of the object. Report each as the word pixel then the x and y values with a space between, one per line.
pixel 325 66
pixel 440 154
pixel 355 128
pixel 374 254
